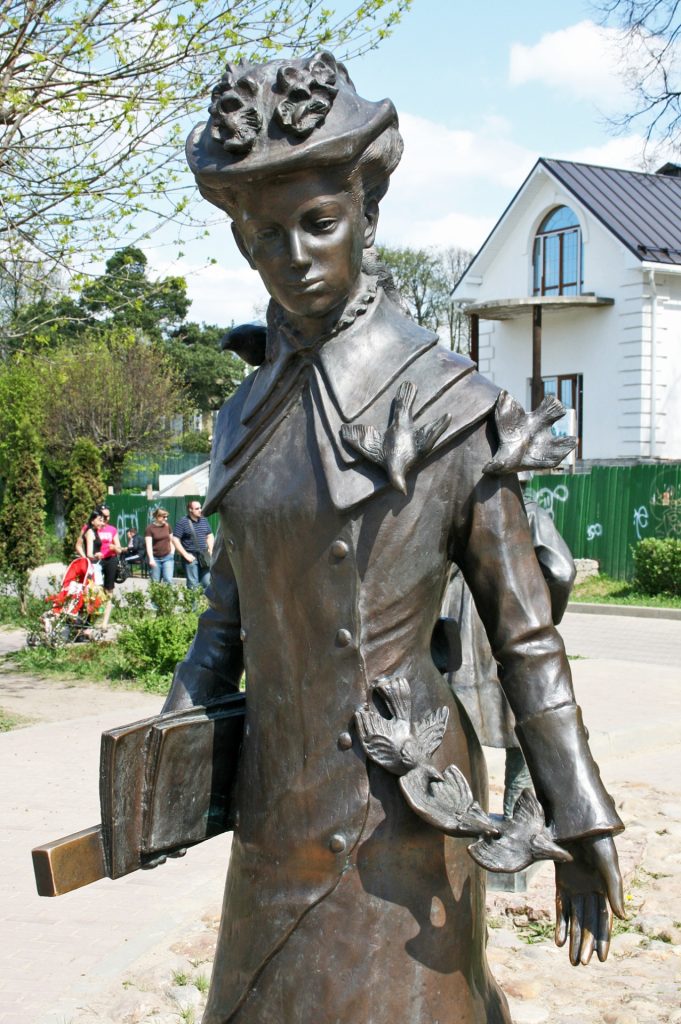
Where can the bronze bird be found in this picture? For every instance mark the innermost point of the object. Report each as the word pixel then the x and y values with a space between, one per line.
pixel 397 743
pixel 402 444
pixel 446 802
pixel 525 439
pixel 524 839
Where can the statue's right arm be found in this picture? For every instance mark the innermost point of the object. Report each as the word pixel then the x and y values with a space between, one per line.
pixel 214 662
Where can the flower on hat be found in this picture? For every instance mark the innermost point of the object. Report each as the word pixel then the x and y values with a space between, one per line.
pixel 235 120
pixel 309 94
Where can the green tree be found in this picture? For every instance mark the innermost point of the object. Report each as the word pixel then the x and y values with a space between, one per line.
pixel 126 297
pixel 116 389
pixel 453 324
pixel 95 95
pixel 22 405
pixel 22 517
pixel 209 375
pixel 425 278
pixel 85 489
pixel 415 273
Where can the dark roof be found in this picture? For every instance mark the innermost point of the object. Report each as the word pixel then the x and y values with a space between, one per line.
pixel 642 210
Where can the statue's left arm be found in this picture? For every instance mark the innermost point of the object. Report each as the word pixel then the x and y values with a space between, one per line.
pixel 491 542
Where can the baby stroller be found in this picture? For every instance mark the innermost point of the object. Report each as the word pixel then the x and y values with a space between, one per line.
pixel 74 609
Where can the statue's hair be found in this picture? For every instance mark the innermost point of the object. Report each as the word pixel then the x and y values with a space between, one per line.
pixel 368 176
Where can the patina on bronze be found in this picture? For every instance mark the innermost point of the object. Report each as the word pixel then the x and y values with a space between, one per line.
pixel 343 903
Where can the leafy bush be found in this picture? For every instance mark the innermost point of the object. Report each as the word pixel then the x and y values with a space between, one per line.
pixel 153 641
pixel 658 566
pixel 196 441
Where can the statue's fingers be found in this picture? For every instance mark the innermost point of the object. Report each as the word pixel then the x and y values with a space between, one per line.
pixel 562 917
pixel 604 928
pixel 576 920
pixel 589 927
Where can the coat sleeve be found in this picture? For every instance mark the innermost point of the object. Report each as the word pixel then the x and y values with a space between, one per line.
pixel 214 662
pixel 555 558
pixel 492 544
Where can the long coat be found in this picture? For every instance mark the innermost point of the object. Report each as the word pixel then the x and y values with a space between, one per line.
pixel 341 905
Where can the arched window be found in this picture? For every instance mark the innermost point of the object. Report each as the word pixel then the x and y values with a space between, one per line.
pixel 557 256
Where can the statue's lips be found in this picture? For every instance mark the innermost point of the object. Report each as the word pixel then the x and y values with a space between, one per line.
pixel 305 287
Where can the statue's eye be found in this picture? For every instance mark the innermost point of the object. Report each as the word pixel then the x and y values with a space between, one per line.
pixel 324 224
pixel 268 234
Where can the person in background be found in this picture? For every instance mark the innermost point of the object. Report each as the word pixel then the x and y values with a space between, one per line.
pixel 158 541
pixel 193 539
pixel 110 550
pixel 134 553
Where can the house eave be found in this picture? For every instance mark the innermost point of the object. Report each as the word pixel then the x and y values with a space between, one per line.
pixel 514 308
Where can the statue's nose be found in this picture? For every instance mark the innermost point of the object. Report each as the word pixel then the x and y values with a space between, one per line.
pixel 298 250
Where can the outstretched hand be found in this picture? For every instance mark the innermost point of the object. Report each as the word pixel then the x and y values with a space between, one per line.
pixel 588 890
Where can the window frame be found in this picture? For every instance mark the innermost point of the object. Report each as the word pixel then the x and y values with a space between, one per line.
pixel 539 253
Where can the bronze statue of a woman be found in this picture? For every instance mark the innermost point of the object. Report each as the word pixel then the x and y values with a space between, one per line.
pixel 348 474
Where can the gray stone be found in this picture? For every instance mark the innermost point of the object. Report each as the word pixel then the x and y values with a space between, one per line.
pixel 527 1012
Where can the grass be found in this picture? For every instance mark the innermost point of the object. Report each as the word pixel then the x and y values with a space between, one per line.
pixel 9 721
pixel 604 590
pixel 202 983
pixel 93 663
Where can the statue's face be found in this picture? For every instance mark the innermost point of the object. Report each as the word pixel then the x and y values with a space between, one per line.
pixel 305 235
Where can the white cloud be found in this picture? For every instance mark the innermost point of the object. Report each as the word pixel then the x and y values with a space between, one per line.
pixel 584 60
pixel 434 153
pixel 624 152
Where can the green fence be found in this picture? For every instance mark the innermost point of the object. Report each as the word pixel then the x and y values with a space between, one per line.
pixel 604 513
pixel 601 514
pixel 135 510
pixel 145 469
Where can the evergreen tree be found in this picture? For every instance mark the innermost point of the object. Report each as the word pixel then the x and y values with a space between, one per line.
pixel 22 517
pixel 85 490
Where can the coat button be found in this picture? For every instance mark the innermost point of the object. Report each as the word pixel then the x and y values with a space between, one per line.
pixel 345 741
pixel 343 637
pixel 242 633
pixel 339 549
pixel 337 843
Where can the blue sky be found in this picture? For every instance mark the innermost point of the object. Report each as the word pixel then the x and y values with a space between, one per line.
pixel 482 91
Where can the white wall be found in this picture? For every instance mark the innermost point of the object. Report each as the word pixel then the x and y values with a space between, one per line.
pixel 605 344
pixel 668 368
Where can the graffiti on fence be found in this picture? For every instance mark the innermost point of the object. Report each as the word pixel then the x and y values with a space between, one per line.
pixel 641 520
pixel 546 497
pixel 126 521
pixel 665 500
pixel 594 530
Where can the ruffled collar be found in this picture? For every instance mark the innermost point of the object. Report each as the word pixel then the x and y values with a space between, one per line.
pixel 280 327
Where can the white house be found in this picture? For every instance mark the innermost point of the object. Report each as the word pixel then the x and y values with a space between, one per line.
pixel 577 292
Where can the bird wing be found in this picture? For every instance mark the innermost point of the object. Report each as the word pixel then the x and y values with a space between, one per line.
pixel 453 792
pixel 429 731
pixel 368 441
pixel 545 451
pixel 548 411
pixel 426 436
pixel 509 417
pixel 376 737
pixel 406 395
pixel 528 811
pixel 397 695
pixel 504 854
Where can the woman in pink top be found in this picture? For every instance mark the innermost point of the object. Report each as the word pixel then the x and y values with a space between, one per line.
pixel 110 550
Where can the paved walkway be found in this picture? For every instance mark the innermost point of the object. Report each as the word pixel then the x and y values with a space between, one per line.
pixel 57 954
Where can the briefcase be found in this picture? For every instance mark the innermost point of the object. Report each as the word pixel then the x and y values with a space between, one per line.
pixel 166 783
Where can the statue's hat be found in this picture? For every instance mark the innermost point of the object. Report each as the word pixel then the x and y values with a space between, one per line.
pixel 280 117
